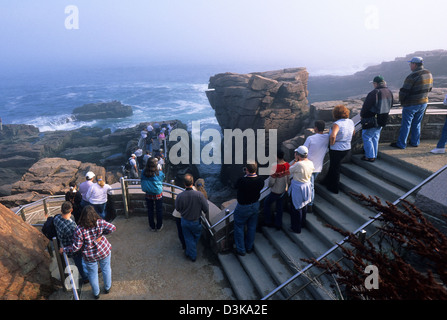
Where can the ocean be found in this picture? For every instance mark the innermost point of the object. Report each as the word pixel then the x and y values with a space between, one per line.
pixel 47 98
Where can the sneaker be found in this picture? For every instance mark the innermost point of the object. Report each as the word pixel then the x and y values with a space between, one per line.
pixel 160 228
pixel 106 291
pixel 438 150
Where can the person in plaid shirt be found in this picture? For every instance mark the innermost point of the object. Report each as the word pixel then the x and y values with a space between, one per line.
pixel 65 228
pixel 89 236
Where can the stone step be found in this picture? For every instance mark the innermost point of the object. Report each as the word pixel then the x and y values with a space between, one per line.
pixel 395 172
pixel 277 267
pixel 342 211
pixel 241 284
pixel 259 275
pixel 357 180
pixel 293 250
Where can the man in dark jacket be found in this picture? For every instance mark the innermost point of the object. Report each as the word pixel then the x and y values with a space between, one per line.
pixel 413 97
pixel 376 107
pixel 190 203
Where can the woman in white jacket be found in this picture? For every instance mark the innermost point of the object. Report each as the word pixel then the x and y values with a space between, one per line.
pixel 97 196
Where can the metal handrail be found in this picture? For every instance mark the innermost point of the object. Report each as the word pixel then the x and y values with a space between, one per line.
pixel 70 275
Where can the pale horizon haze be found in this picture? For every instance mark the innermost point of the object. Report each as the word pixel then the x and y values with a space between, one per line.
pixel 338 37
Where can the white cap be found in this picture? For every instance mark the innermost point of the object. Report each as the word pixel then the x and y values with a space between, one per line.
pixel 302 150
pixel 89 175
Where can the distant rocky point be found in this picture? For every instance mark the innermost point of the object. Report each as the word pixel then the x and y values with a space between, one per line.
pixel 326 88
pixel 102 110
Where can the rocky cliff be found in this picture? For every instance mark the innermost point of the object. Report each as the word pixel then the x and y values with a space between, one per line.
pixel 261 100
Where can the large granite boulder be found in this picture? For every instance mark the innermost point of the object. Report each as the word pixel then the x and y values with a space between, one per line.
pixel 261 100
pixel 51 176
pixel 102 110
pixel 24 260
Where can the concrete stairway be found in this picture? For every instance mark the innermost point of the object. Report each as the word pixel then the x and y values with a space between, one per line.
pixel 277 253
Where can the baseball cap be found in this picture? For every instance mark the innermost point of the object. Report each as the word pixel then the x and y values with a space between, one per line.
pixel 90 175
pixel 378 79
pixel 302 150
pixel 416 60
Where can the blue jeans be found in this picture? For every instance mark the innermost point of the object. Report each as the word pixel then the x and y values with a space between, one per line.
pixel 371 142
pixel 158 212
pixel 278 200
pixel 92 271
pixel 181 237
pixel 192 229
pixel 245 215
pixel 443 140
pixel 100 209
pixel 411 121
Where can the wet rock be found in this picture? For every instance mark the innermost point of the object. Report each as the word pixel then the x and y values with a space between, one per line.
pixel 102 110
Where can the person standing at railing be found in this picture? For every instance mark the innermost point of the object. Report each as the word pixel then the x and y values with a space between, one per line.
pixel 374 114
pixel 97 196
pixel 65 228
pixel 84 187
pixel 191 203
pixel 300 190
pixel 152 184
pixel 317 145
pixel 278 183
pixel 89 238
pixel 440 147
pixel 75 198
pixel 247 209
pixel 413 97
pixel 340 136
pixel 133 166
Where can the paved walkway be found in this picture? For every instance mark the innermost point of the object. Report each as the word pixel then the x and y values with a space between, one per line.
pixel 420 156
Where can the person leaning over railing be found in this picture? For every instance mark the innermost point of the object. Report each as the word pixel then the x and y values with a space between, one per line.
pixel 340 137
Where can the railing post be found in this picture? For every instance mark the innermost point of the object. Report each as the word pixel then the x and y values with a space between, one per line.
pixel 173 190
pixel 22 214
pixel 45 208
pixel 362 236
pixel 124 195
pixel 227 227
pixel 59 261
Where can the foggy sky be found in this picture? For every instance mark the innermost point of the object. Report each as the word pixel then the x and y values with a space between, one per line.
pixel 330 35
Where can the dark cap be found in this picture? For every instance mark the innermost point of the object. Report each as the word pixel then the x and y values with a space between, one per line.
pixel 378 79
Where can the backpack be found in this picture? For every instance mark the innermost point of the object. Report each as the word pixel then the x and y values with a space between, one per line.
pixel 48 229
